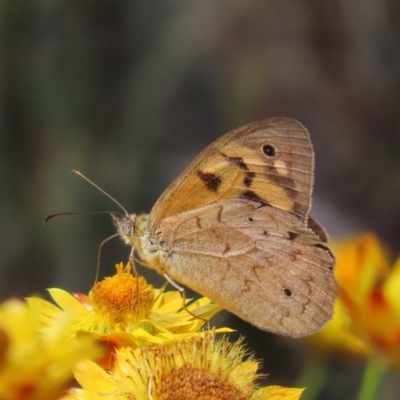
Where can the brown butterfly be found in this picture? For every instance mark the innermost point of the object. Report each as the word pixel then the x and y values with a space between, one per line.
pixel 235 227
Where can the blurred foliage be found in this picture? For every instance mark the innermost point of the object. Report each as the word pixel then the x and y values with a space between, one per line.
pixel 128 92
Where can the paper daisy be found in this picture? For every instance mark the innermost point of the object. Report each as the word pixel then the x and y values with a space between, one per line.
pixel 125 311
pixel 200 368
pixel 36 366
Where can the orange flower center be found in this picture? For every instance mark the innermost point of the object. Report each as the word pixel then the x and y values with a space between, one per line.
pixel 123 297
pixel 197 384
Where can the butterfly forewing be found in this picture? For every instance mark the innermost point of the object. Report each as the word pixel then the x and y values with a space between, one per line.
pixel 269 161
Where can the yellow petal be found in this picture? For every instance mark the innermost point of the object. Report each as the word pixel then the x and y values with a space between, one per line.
pixel 142 334
pixel 206 310
pixel 277 393
pixel 93 377
pixel 391 289
pixel 171 306
pixel 67 302
pixel 49 309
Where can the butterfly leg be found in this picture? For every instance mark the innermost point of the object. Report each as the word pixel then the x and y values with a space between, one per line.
pixel 132 260
pixel 183 292
pixel 161 290
pixel 133 266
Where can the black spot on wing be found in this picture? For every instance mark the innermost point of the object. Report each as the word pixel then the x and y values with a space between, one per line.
pixel 327 249
pixel 211 181
pixel 269 150
pixel 292 235
pixel 287 292
pixel 248 179
pixel 289 185
pixel 249 195
pixel 284 181
pixel 317 229
pixel 239 162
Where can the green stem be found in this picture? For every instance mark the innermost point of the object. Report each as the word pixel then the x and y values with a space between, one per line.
pixel 313 377
pixel 373 376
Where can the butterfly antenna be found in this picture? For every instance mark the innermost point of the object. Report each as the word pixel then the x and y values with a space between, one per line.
pixel 80 213
pixel 75 172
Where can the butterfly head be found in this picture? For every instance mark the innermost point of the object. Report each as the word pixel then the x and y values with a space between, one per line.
pixel 130 227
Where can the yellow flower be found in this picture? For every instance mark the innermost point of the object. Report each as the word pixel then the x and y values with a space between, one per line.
pixel 124 311
pixel 367 317
pixel 194 369
pixel 33 366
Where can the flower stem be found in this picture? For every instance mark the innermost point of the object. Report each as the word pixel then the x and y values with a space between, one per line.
pixel 313 378
pixel 373 376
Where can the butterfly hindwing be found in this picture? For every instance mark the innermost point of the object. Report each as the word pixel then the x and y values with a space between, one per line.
pixel 252 261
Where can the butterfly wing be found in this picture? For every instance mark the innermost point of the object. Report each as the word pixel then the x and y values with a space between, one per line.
pixel 251 260
pixel 235 227
pixel 269 161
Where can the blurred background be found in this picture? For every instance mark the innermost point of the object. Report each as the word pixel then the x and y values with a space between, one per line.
pixel 128 92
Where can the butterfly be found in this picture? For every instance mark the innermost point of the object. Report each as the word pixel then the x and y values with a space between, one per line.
pixel 235 227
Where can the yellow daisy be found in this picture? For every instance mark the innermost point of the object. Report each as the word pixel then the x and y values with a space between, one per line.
pixel 36 366
pixel 124 311
pixel 367 317
pixel 199 368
